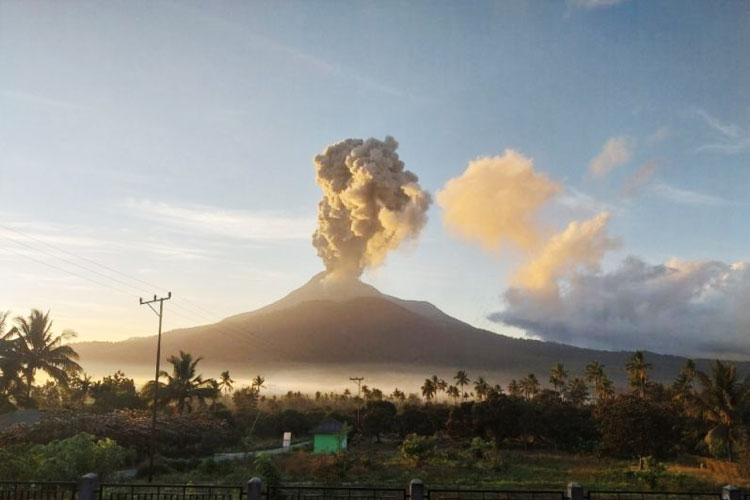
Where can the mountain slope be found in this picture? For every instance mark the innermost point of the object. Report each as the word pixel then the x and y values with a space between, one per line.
pixel 350 324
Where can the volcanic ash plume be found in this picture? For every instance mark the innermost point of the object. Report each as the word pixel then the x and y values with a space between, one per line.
pixel 370 204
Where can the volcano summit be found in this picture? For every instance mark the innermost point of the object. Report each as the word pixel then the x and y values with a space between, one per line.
pixel 329 328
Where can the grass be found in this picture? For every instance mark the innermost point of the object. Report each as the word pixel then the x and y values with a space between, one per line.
pixel 452 465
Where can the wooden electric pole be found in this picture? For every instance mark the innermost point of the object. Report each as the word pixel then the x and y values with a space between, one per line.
pixel 160 313
pixel 358 381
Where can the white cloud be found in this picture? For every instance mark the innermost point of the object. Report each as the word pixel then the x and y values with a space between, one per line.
pixel 239 224
pixel 693 308
pixel 639 178
pixel 615 153
pixel 733 138
pixel 659 135
pixel 685 196
pixel 594 4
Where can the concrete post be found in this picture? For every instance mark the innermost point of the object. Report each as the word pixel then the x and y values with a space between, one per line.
pixel 88 486
pixel 730 492
pixel 416 489
pixel 575 491
pixel 254 489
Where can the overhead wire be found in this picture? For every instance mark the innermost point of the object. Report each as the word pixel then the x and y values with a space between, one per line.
pixel 189 314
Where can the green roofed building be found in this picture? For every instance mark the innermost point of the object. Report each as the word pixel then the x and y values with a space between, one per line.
pixel 329 436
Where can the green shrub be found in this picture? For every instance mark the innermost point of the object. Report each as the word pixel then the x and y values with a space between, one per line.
pixel 268 472
pixel 416 449
pixel 63 460
pixel 479 448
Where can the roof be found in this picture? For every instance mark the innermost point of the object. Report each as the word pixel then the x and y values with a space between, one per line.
pixel 328 426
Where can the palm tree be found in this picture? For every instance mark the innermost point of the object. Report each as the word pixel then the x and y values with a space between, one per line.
pixel 428 389
pixel 601 385
pixel 637 369
pixel 721 402
pixel 258 382
pixel 558 377
pixel 398 395
pixel 530 386
pixel 35 347
pixel 225 382
pixel 682 387
pixel 481 388
pixel 81 388
pixel 183 385
pixel 514 388
pixel 10 362
pixel 462 379
pixel 453 392
pixel 577 392
pixel 440 385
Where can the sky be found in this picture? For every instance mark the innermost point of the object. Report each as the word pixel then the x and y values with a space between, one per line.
pixel 168 146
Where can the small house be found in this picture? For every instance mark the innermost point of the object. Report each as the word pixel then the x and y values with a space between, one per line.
pixel 329 436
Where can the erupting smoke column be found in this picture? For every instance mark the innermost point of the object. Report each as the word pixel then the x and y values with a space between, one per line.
pixel 370 204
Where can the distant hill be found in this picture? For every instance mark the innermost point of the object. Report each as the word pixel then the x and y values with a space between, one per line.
pixel 323 330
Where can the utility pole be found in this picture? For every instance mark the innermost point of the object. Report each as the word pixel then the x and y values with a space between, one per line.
pixel 358 381
pixel 160 313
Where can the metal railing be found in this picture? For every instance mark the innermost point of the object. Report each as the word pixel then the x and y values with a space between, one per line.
pixel 38 490
pixel 334 493
pixel 651 495
pixel 472 494
pixel 169 492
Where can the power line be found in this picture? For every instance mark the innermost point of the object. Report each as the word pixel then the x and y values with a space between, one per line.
pixel 103 266
pixel 192 315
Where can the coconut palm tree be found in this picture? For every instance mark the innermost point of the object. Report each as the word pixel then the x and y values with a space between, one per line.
pixel 721 401
pixel 398 395
pixel 36 348
pixel 682 387
pixel 601 385
pixel 453 392
pixel 558 377
pixel 440 385
pixel 428 389
pixel 184 385
pixel 514 388
pixel 481 388
pixel 225 382
pixel 637 369
pixel 258 383
pixel 462 379
pixel 11 383
pixel 530 385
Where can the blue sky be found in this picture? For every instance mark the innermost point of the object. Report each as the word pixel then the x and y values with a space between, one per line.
pixel 173 141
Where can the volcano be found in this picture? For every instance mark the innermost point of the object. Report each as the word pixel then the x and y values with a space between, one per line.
pixel 328 329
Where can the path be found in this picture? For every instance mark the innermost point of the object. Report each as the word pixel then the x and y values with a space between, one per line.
pixel 223 457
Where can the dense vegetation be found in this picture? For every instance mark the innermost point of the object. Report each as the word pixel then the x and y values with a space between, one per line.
pixel 465 423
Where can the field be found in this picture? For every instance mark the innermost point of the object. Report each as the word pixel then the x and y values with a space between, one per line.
pixel 455 464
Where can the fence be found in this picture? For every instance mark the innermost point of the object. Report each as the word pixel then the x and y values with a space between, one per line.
pixel 650 495
pixel 466 494
pixel 334 493
pixel 168 492
pixel 88 488
pixel 15 490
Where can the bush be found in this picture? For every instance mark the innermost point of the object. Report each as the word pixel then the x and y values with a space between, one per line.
pixel 268 472
pixel 176 436
pixel 479 448
pixel 416 449
pixel 63 460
